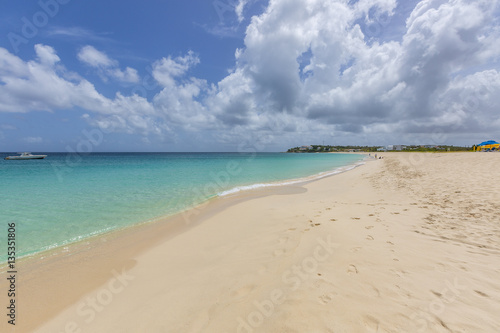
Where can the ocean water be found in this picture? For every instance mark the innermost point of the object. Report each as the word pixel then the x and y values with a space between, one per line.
pixel 66 198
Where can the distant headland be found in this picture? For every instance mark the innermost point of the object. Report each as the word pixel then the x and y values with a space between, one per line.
pixel 411 148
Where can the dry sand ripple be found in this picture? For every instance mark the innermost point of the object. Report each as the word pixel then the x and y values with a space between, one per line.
pixel 409 243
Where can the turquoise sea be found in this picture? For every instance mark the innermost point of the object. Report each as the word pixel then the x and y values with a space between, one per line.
pixel 66 198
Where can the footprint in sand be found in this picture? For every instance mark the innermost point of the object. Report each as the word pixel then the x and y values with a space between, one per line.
pixel 333 220
pixel 292 229
pixel 389 242
pixel 369 237
pixel 355 218
pixel 398 272
pixel 371 214
pixel 374 291
pixel 371 324
pixel 481 293
pixel 327 298
pixel 352 270
pixel 355 249
pixel 369 227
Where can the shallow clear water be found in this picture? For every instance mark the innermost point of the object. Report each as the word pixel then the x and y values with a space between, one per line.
pixel 65 198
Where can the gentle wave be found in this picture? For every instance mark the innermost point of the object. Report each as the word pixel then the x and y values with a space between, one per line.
pixel 110 191
pixel 62 245
pixel 290 182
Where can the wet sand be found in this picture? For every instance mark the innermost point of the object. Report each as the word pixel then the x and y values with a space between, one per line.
pixel 407 243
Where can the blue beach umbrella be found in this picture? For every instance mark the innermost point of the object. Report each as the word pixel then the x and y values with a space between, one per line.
pixel 487 143
pixel 488 146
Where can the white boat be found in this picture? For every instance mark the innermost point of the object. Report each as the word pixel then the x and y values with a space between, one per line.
pixel 26 156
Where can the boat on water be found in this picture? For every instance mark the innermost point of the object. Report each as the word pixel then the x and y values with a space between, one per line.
pixel 26 156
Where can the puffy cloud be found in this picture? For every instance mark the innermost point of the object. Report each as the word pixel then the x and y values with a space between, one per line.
pixel 307 71
pixel 39 85
pixel 167 69
pixel 180 103
pixel 11 65
pixel 311 59
pixel 127 75
pixel 46 55
pixel 107 66
pixel 92 57
pixel 233 102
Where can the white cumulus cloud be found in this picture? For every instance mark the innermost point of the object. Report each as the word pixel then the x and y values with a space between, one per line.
pixel 107 66
pixel 309 69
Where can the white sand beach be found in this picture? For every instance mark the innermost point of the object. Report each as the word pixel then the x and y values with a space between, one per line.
pixel 409 243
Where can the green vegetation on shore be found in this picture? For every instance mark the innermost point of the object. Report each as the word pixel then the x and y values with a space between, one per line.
pixel 374 149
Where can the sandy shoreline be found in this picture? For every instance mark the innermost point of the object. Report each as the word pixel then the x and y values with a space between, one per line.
pixel 408 243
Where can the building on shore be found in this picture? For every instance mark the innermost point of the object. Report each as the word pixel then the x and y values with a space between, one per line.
pixel 395 147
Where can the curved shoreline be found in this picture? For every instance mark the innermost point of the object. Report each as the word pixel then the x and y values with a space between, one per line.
pixel 292 181
pixel 118 248
pixel 66 247
pixel 376 247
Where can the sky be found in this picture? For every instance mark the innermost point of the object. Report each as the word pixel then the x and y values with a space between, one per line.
pixel 246 75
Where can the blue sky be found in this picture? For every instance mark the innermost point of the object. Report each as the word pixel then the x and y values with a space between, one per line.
pixel 236 75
